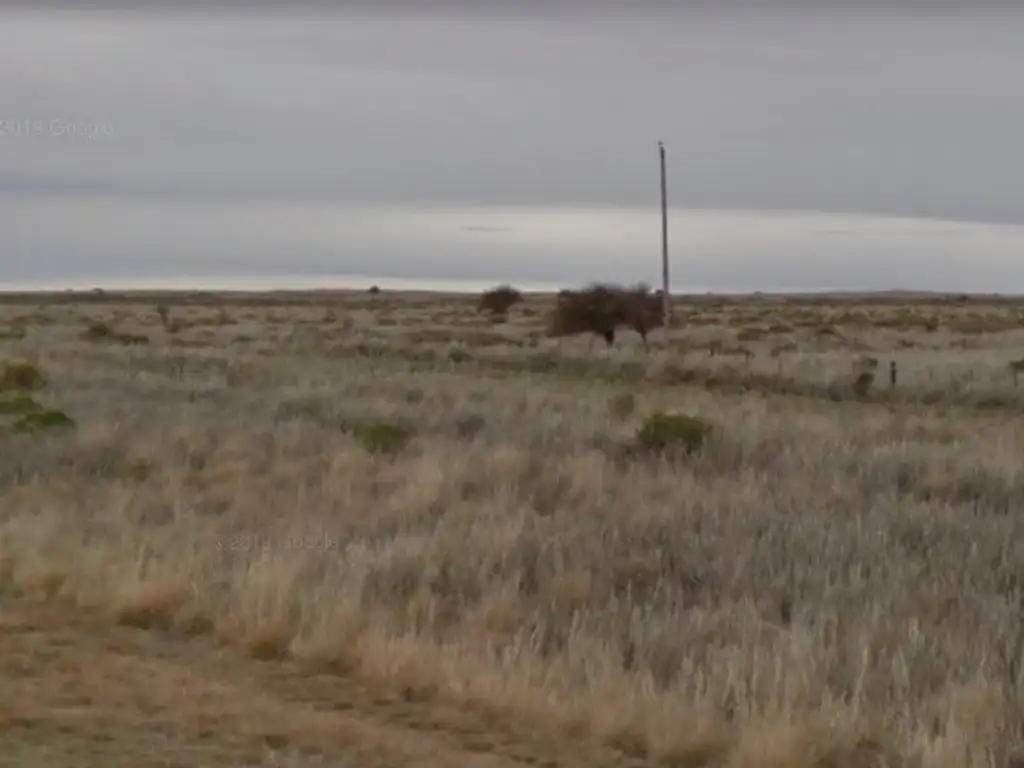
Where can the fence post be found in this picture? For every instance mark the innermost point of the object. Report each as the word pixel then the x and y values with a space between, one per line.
pixel 666 304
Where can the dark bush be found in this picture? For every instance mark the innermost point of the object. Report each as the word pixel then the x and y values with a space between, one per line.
pixel 499 300
pixel 601 309
pixel 862 384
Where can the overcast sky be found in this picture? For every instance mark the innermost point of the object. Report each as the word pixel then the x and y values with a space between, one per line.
pixel 304 141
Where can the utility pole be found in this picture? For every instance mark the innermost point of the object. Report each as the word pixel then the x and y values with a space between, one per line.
pixel 666 305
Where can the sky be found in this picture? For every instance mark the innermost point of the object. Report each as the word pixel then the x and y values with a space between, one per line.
pixel 806 148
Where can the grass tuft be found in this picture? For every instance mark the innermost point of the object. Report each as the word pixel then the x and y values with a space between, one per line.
pixel 21 375
pixel 673 432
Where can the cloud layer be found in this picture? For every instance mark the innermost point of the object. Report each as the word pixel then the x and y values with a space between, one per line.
pixel 133 138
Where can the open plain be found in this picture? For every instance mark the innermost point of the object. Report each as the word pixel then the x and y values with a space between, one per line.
pixel 341 529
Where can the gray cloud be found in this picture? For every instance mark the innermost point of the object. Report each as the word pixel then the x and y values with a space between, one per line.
pixel 180 119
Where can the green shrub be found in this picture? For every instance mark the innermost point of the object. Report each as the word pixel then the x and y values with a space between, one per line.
pixel 21 375
pixel 383 436
pixel 47 418
pixel 673 432
pixel 18 404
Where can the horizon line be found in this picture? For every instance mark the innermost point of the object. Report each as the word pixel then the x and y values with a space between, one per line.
pixel 226 284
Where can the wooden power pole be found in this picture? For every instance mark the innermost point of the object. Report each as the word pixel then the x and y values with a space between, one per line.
pixel 666 304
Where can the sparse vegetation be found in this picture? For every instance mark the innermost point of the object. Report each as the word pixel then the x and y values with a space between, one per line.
pixel 708 553
pixel 101 332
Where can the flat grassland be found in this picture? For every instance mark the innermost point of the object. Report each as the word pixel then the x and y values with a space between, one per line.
pixel 349 529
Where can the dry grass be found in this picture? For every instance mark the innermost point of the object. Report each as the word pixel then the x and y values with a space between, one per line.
pixel 389 489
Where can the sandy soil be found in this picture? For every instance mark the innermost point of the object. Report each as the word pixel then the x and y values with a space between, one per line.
pixel 77 691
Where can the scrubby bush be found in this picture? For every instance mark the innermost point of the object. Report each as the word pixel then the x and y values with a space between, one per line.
pixel 500 300
pixel 384 437
pixel 21 375
pixel 663 433
pixel 459 355
pixel 601 309
pixel 862 384
pixel 47 418
pixel 101 332
pixel 98 332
